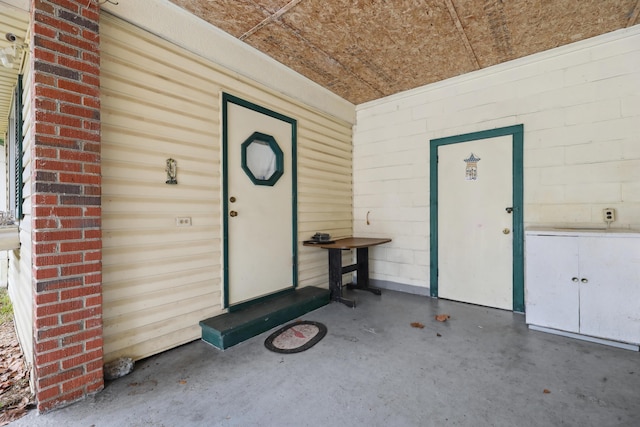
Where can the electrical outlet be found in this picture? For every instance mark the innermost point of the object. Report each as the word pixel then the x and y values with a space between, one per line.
pixel 183 221
pixel 609 215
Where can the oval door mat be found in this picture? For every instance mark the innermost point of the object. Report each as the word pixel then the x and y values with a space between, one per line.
pixel 296 337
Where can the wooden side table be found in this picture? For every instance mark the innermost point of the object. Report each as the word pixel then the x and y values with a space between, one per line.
pixel 336 269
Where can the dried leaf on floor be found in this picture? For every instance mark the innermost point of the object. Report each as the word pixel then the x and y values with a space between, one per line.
pixel 438 334
pixel 15 393
pixel 9 415
pixel 442 317
pixel 417 325
pixel 183 382
pixel 546 391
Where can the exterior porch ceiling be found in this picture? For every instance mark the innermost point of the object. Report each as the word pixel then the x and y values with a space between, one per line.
pixel 15 22
pixel 367 49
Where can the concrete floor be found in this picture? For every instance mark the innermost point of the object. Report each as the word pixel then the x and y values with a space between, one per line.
pixel 374 369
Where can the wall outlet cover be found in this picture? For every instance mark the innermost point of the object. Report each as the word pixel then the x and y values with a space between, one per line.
pixel 609 214
pixel 184 221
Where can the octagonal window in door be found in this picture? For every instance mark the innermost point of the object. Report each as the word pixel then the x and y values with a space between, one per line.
pixel 262 159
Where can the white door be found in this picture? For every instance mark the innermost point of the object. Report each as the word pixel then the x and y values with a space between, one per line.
pixel 475 238
pixel 259 215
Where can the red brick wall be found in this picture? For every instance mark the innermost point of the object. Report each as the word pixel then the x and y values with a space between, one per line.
pixel 66 204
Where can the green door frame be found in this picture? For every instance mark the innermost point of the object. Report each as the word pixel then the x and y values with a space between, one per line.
pixel 517 138
pixel 226 99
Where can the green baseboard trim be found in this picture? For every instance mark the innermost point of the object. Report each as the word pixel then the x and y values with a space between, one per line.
pixel 229 329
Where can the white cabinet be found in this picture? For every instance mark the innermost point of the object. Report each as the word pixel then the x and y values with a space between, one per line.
pixel 584 282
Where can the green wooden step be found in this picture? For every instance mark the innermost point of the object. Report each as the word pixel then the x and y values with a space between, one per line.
pixel 226 330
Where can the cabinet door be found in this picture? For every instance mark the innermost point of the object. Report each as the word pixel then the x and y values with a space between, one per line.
pixel 552 298
pixel 610 297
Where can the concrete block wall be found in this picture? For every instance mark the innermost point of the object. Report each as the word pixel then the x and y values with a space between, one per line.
pixel 580 107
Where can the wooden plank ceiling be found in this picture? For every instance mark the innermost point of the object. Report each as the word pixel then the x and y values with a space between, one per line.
pixel 366 49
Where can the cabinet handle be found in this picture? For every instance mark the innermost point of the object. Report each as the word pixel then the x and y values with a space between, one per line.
pixel 574 279
pixel 584 280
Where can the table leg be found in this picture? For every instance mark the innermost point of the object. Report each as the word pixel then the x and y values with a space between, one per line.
pixel 335 278
pixel 362 259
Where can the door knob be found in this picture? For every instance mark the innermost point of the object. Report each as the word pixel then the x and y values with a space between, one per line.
pixel 509 209
pixel 574 279
pixel 584 280
pixel 233 213
pixel 232 199
pixel 506 231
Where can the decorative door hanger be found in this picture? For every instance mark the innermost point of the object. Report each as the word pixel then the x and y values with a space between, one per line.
pixel 471 172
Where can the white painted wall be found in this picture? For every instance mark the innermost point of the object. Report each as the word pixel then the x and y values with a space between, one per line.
pixel 197 36
pixel 580 106
pixel 4 255
pixel 20 273
pixel 160 101
pixel 15 269
pixel 160 98
pixel 17 4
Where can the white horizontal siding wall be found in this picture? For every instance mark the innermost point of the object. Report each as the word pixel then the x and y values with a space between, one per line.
pixel 180 27
pixel 19 274
pixel 159 280
pixel 580 106
pixel 160 101
pixel 324 191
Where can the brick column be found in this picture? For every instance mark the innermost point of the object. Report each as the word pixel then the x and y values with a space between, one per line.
pixel 66 204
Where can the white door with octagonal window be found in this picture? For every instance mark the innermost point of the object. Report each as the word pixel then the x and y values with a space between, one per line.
pixel 259 202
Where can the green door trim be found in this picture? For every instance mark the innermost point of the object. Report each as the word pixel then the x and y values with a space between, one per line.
pixel 517 137
pixel 226 99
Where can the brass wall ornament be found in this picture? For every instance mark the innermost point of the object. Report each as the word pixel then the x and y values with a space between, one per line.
pixel 172 171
